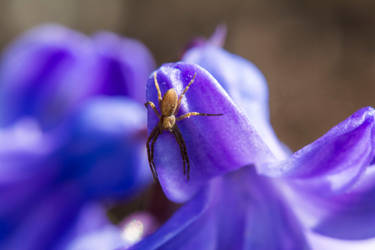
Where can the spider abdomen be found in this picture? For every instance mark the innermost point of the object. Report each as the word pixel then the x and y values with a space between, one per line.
pixel 169 102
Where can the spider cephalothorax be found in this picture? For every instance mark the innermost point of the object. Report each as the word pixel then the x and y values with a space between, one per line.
pixel 169 106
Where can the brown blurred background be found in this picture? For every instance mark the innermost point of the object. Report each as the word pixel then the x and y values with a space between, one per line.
pixel 318 56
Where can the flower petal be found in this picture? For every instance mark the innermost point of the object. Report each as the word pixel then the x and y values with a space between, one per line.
pixel 330 182
pixel 337 157
pixel 45 222
pixel 101 150
pixel 50 70
pixel 23 172
pixel 244 83
pixel 216 39
pixel 215 145
pixel 44 73
pixel 190 227
pixel 350 215
pixel 319 242
pixel 92 230
pixel 124 65
pixel 256 218
pixel 105 148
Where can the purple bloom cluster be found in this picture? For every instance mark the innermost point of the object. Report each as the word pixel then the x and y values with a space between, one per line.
pixel 73 133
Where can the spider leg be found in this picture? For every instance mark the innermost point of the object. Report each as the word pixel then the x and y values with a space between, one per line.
pixel 149 155
pixel 184 92
pixel 187 115
pixel 182 149
pixel 154 173
pixel 157 89
pixel 180 140
pixel 152 105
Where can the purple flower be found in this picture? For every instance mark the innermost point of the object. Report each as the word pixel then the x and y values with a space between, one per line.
pixel 72 131
pixel 51 70
pixel 247 191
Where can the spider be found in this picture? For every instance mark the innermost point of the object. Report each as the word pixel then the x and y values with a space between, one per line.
pixel 169 106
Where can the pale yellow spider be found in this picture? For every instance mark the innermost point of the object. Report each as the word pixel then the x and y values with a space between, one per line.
pixel 169 106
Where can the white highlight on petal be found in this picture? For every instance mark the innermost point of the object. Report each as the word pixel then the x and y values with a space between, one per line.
pixel 133 231
pixel 22 133
pixel 136 227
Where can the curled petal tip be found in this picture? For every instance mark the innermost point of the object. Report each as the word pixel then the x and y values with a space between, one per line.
pixel 219 36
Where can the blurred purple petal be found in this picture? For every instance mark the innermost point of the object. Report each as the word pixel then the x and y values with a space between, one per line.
pixel 23 170
pixel 44 73
pixel 50 70
pixel 102 153
pixel 219 36
pixel 244 83
pixel 46 220
pixel 91 231
pixel 124 66
pixel 238 211
pixel 105 148
pixel 215 145
pixel 58 151
pixel 217 39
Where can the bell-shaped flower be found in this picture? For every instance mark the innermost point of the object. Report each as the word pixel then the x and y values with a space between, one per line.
pixel 229 211
pixel 259 199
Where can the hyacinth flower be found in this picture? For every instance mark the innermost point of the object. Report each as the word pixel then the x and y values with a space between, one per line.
pixel 246 190
pixel 72 131
pixel 50 70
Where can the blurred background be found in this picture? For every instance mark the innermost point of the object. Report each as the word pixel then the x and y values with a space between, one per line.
pixel 318 56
